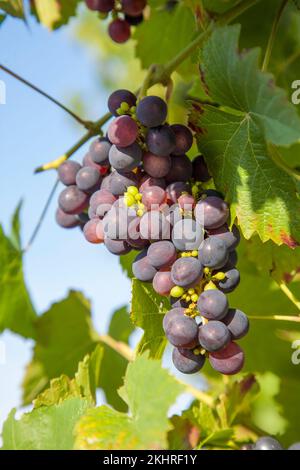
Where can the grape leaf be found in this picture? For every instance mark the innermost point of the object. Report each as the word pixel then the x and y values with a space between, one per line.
pixel 164 35
pixel 13 7
pixel 45 428
pixel 114 365
pixel 234 140
pixel 149 391
pixel 2 18
pixel 64 336
pixel 184 435
pixel 219 6
pixel 83 385
pixel 147 311
pixel 16 310
pixel 126 263
pixel 55 13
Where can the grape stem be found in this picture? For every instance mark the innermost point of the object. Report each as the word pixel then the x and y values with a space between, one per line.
pixel 289 295
pixel 272 36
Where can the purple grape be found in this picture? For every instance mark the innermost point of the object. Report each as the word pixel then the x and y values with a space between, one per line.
pixel 186 361
pixel 213 253
pixel 119 183
pixel 175 190
pixel 267 443
pixel 99 150
pixel 123 131
pixel 117 247
pixel 88 161
pixel 200 170
pixel 119 31
pixel 213 304
pixel 231 238
pixel 214 336
pixel 232 261
pixel 162 282
pixel 148 181
pixel 125 159
pixel 101 202
pixel 181 169
pixel 237 323
pixel 72 200
pixel 162 254
pixel 155 166
pixel 117 98
pixel 186 272
pixel 88 179
pixel 153 197
pixel 182 331
pixel 213 211
pixel 133 7
pixel 295 446
pixel 230 282
pixel 142 268
pixel 66 220
pixel 116 222
pixel 104 6
pixel 134 20
pixel 184 139
pixel 154 226
pixel 187 235
pixel 67 172
pixel 134 238
pixel 228 361
pixel 172 315
pixel 93 231
pixel 152 111
pixel 161 141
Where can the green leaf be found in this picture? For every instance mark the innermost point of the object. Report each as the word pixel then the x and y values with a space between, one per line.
pixel 184 435
pixel 64 336
pixel 239 396
pixel 114 365
pixel 126 263
pixel 16 310
pixel 218 438
pixel 2 18
pixel 83 385
pixel 234 140
pixel 13 7
pixel 219 6
pixel 165 35
pixel 149 391
pixel 45 428
pixel 147 311
pixel 55 13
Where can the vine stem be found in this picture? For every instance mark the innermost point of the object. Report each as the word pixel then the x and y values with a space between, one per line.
pixel 46 95
pixel 289 295
pixel 292 318
pixel 272 36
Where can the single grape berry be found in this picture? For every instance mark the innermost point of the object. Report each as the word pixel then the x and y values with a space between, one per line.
pixel 118 97
pixel 142 268
pixel 101 202
pixel 72 200
pixel 186 272
pixel 181 169
pixel 67 172
pixel 186 361
pixel 101 168
pixel 93 231
pixel 66 220
pixel 161 141
pixel 99 150
pixel 182 332
pixel 119 31
pixel 230 237
pixel 117 247
pixel 228 361
pixel 134 238
pixel 237 323
pixel 214 336
pixel 123 131
pixel 104 6
pixel 162 282
pixel 125 159
pixel 88 179
pixel 162 254
pixel 187 235
pixel 213 253
pixel 200 170
pixel 212 211
pixel 175 190
pixel 172 315
pixel 267 443
pixel 152 111
pixel 152 197
pixel 230 282
pixel 133 7
pixel 148 181
pixel 154 226
pixel 118 183
pixel 156 166
pixel 183 137
pixel 213 304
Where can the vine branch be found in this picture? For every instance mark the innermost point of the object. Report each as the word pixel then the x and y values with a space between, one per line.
pixel 273 33
pixel 292 318
pixel 289 295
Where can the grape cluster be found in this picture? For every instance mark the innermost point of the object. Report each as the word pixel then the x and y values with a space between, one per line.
pixel 138 190
pixel 124 14
pixel 269 443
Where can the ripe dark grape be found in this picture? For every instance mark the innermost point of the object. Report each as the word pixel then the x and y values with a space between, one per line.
pixel 134 20
pixel 116 221
pixel 102 169
pixel 99 150
pixel 152 111
pixel 172 315
pixel 213 253
pixel 156 166
pixel 117 247
pixel 153 197
pixel 119 31
pixel 134 238
pixel 267 443
pixel 200 170
pixel 125 159
pixel 88 179
pixel 142 268
pixel 123 131
pixel 184 139
pixel 72 200
pixel 93 231
pixel 186 272
pixel 148 181
pixel 175 190
pixel 119 183
pixel 162 254
pixel 133 7
pixel 182 332
pixel 104 6
pixel 101 202
pixel 187 235
pixel 186 202
pixel 230 282
pixel 66 220
pixel 237 323
pixel 214 336
pixel 186 361
pixel 154 226
pixel 162 282
pixel 295 446
pixel 213 211
pixel 118 97
pixel 230 237
pixel 232 261
pixel 228 361
pixel 161 141
pixel 67 172
pixel 213 304
pixel 181 169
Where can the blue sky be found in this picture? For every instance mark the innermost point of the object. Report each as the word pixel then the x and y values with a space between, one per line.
pixel 32 131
